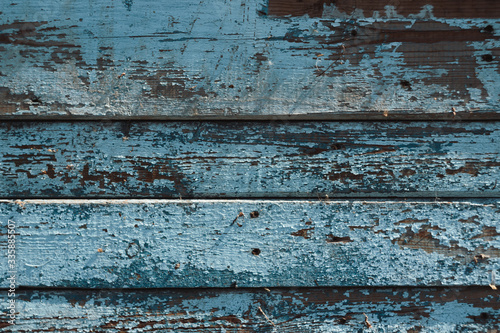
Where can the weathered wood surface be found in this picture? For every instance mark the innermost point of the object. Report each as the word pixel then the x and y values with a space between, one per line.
pixel 210 243
pixel 392 8
pixel 251 159
pixel 469 309
pixel 221 58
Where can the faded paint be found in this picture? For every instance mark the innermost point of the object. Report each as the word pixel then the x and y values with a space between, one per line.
pixel 463 309
pixel 243 160
pixel 180 59
pixel 165 243
pixel 226 59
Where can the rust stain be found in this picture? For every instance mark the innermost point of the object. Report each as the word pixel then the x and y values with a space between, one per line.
pixel 303 233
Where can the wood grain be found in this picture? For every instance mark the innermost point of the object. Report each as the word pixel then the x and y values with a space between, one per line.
pixel 459 309
pixel 396 8
pixel 248 159
pixel 225 59
pixel 214 243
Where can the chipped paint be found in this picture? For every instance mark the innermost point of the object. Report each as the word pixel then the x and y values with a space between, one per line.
pixel 180 60
pixel 391 309
pixel 184 243
pixel 239 60
pixel 248 159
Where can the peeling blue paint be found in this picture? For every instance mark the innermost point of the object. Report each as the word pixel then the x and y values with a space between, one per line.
pixel 160 243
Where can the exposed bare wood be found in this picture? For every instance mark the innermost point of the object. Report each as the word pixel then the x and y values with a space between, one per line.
pixel 443 310
pixel 179 243
pixel 149 70
pixel 225 59
pixel 380 8
pixel 243 160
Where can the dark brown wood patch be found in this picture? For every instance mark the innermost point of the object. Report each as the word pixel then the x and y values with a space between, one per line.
pixel 439 8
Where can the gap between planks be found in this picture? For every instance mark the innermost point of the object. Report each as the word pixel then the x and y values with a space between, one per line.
pixel 374 116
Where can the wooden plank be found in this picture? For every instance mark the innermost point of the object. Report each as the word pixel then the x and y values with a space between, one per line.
pixel 219 59
pixel 248 160
pixel 459 309
pixel 395 8
pixel 211 243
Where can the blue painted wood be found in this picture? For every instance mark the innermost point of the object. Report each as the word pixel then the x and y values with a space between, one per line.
pixel 438 310
pixel 236 59
pixel 226 58
pixel 249 159
pixel 262 243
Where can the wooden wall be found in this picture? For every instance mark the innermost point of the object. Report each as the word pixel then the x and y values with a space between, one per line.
pixel 244 165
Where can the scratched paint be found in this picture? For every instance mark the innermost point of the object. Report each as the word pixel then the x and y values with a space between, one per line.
pixel 220 59
pixel 472 309
pixel 215 243
pixel 248 160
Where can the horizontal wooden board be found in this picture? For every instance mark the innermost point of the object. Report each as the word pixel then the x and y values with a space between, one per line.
pixel 224 59
pixel 244 160
pixel 439 310
pixel 397 8
pixel 212 243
